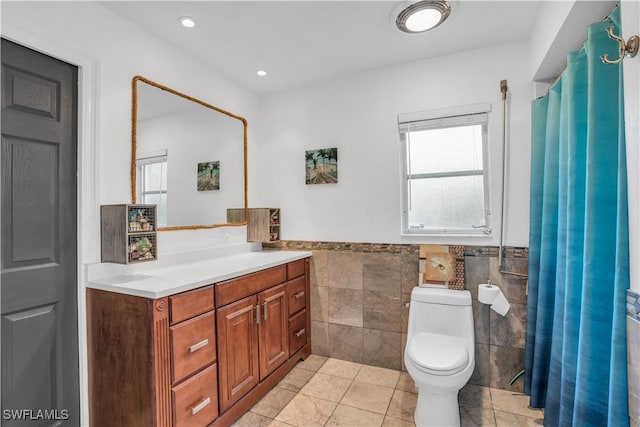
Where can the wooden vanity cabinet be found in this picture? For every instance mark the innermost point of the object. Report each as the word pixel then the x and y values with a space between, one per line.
pixel 197 358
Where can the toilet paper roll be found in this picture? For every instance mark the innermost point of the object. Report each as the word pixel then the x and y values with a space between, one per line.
pixel 492 295
pixel 500 304
pixel 487 293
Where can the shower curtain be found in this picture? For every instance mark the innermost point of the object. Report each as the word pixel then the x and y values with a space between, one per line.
pixel 576 361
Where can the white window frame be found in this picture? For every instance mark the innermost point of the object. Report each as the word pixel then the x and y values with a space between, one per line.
pixel 148 159
pixel 438 119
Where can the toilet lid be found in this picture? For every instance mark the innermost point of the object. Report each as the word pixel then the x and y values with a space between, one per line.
pixel 438 354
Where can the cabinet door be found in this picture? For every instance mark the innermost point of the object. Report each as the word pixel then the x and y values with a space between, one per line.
pixel 273 329
pixel 237 350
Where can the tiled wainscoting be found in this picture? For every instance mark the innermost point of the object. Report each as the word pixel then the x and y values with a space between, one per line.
pixel 633 355
pixel 358 293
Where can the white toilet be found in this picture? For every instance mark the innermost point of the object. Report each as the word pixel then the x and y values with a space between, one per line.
pixel 440 352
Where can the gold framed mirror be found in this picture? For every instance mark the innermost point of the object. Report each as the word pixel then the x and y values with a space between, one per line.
pixel 187 156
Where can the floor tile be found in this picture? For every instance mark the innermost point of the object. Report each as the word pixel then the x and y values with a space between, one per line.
pixel 296 379
pixel 477 417
pixel 368 397
pixel 475 396
pixel 348 416
pixel 396 422
pixel 406 383
pixel 276 423
pixel 340 368
pixel 326 387
pixel 312 363
pixel 504 419
pixel 403 405
pixel 273 402
pixel 513 403
pixel 378 376
pixel 251 419
pixel 306 411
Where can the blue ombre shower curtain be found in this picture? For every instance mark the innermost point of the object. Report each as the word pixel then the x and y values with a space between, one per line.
pixel 576 361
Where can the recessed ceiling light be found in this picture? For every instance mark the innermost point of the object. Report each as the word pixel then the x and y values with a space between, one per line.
pixel 187 21
pixel 423 16
pixel 261 73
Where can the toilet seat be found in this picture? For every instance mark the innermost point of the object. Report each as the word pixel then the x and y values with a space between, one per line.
pixel 438 354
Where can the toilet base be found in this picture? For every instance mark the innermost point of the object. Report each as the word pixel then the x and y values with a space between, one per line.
pixel 437 409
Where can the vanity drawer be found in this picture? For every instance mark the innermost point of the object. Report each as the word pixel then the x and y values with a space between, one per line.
pixel 189 304
pixel 193 345
pixel 242 287
pixel 195 401
pixel 297 294
pixel 295 269
pixel 297 332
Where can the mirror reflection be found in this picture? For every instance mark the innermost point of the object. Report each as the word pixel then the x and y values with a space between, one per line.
pixel 188 157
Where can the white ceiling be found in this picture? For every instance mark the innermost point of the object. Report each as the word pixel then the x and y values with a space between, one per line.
pixel 300 42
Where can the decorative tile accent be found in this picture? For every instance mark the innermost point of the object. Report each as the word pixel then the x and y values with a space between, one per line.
pixel 633 305
pixel 459 252
pixel 342 246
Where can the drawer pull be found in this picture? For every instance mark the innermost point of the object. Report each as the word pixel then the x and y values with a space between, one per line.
pixel 299 333
pixel 200 406
pixel 198 346
pixel 257 314
pixel 299 295
pixel 265 311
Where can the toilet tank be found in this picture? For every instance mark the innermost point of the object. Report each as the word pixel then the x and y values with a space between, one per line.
pixel 441 311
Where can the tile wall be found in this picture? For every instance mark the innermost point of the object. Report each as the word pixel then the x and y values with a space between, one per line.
pixel 358 293
pixel 633 355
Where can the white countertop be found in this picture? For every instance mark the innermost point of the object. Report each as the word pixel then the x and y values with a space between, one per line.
pixel 160 282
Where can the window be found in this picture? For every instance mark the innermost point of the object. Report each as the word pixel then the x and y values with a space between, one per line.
pixel 445 185
pixel 151 182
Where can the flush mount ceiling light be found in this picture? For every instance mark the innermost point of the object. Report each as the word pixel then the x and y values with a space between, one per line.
pixel 423 16
pixel 187 21
pixel 261 73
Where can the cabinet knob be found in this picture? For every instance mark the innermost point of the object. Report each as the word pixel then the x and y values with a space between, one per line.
pixel 200 406
pixel 300 333
pixel 198 346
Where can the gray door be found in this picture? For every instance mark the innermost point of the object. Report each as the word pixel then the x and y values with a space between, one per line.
pixel 38 214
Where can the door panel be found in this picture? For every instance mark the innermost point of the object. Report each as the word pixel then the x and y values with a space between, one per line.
pixel 273 329
pixel 39 236
pixel 237 350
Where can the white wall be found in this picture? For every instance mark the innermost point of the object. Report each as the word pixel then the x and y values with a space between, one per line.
pixel 358 114
pixel 631 69
pixel 121 51
pixel 191 137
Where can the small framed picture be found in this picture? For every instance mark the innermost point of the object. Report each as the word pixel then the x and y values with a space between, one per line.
pixel 321 166
pixel 209 176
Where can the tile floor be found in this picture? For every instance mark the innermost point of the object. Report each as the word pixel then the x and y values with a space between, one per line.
pixel 332 392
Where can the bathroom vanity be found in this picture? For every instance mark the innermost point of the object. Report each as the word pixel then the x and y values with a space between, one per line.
pixel 197 343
